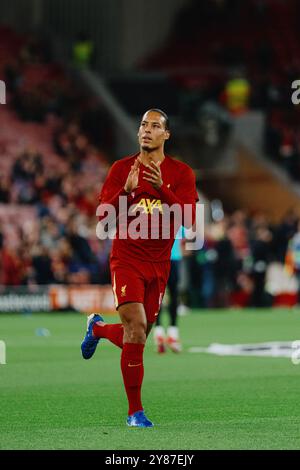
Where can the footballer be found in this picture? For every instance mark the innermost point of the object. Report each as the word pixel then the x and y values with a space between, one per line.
pixel 151 182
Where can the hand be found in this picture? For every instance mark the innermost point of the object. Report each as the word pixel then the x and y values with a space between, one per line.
pixel 133 177
pixel 154 175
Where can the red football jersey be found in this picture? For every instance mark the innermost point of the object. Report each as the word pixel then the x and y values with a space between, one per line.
pixel 147 213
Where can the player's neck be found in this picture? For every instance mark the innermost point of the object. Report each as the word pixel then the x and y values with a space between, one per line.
pixel 155 156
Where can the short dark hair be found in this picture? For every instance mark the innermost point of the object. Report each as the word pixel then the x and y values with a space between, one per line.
pixel 163 114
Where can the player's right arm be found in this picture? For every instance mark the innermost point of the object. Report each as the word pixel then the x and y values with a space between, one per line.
pixel 115 185
pixel 133 177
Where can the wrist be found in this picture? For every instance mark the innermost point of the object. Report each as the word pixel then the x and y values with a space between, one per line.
pixel 162 186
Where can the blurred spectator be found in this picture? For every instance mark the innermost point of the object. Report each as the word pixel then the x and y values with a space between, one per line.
pixel 79 244
pixel 206 278
pixel 13 75
pixel 282 233
pixel 261 256
pixel 237 94
pixel 10 267
pixel 293 257
pixel 27 166
pixel 54 241
pixel 4 190
pixel 41 263
pixel 225 268
pixel 83 50
pixel 287 151
pixel 35 50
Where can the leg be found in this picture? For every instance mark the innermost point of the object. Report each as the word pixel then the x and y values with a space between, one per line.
pixel 130 294
pixel 128 283
pixel 159 335
pixel 153 300
pixel 173 332
pixel 129 288
pixel 113 332
pixel 134 321
pixel 173 290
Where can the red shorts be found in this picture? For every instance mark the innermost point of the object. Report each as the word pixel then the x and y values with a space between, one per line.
pixel 140 281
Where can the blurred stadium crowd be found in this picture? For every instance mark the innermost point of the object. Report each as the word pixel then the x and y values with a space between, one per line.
pixel 55 141
pixel 51 168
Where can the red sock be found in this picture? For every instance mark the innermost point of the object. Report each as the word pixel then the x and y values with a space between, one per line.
pixel 113 332
pixel 133 372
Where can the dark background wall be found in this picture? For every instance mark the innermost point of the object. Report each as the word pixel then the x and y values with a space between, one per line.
pixel 124 31
pixel 21 14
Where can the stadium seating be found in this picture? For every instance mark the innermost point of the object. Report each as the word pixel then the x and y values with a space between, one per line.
pixel 42 183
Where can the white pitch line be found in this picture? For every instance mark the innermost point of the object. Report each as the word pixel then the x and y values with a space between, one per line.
pixel 269 349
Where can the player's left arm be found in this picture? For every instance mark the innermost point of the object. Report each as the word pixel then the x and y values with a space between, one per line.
pixel 184 194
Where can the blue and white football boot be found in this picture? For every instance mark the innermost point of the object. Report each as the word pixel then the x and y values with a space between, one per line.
pixel 139 420
pixel 90 342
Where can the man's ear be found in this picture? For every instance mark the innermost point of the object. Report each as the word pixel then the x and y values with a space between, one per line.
pixel 168 133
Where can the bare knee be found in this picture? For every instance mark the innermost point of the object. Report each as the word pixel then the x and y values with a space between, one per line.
pixel 135 332
pixel 135 324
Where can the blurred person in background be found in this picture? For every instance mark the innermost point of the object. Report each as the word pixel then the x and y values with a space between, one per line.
pixel 283 232
pixel 225 268
pixel 83 50
pixel 205 270
pixel 41 263
pixel 4 190
pixel 10 268
pixel 237 94
pixel 292 260
pixel 261 252
pixel 171 339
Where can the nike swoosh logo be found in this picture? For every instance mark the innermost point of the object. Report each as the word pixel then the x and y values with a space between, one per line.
pixel 134 365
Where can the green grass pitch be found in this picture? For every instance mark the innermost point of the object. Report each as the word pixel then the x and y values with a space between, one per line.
pixel 50 398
